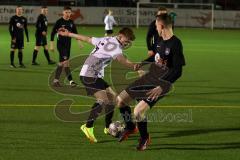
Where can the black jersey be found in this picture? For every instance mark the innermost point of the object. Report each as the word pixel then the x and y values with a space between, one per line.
pixel 168 60
pixel 17 25
pixel 67 24
pixel 152 34
pixel 41 24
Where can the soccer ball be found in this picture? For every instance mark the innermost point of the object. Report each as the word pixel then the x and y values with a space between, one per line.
pixel 115 128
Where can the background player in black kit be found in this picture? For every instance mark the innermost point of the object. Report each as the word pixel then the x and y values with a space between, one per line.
pixel 152 33
pixel 17 25
pixel 41 36
pixel 165 69
pixel 63 46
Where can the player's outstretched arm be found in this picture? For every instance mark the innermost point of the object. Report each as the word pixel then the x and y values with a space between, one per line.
pixel 123 60
pixel 64 32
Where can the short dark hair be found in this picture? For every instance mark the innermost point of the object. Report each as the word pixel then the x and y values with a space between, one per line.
pixel 162 9
pixel 19 6
pixel 43 7
pixel 128 32
pixel 67 8
pixel 165 18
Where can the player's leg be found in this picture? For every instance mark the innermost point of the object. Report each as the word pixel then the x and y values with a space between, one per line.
pixel 12 51
pixel 123 100
pixel 46 53
pixel 20 46
pixel 35 53
pixel 109 108
pixel 140 116
pixel 62 59
pixel 101 101
pixel 20 58
pixel 68 73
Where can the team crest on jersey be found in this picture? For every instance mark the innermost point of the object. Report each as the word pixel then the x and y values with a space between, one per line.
pixel 167 51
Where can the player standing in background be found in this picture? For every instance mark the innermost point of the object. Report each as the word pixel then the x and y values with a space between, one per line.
pixel 17 25
pixel 109 22
pixel 41 36
pixel 63 46
pixel 92 73
pixel 152 33
pixel 173 15
pixel 166 67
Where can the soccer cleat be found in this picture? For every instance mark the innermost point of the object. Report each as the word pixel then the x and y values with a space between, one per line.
pixel 125 134
pixel 73 84
pixel 22 65
pixel 143 143
pixel 13 66
pixel 89 133
pixel 106 131
pixel 51 62
pixel 35 64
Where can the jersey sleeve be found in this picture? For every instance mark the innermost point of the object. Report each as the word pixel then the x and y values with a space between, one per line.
pixel 54 30
pixel 116 54
pixel 96 40
pixel 11 27
pixel 149 37
pixel 74 28
pixel 178 57
pixel 26 29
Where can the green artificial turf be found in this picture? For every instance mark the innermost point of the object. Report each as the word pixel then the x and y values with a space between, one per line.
pixel 206 98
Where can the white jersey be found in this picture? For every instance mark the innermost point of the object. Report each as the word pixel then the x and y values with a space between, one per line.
pixel 106 49
pixel 109 21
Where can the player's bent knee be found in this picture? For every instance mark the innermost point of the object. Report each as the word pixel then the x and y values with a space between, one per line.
pixel 139 114
pixel 119 102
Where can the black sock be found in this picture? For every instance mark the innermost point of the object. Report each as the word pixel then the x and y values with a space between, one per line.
pixel 58 72
pixel 68 73
pixel 96 110
pixel 35 53
pixel 12 57
pixel 142 127
pixel 47 55
pixel 127 117
pixel 109 111
pixel 20 57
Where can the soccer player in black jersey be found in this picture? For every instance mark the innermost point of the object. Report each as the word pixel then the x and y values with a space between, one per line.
pixel 41 36
pixel 63 46
pixel 152 33
pixel 17 25
pixel 165 68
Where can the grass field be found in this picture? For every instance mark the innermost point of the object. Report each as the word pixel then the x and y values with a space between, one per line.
pixel 207 96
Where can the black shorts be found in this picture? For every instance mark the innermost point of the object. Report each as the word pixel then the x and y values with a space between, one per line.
pixel 19 44
pixel 139 88
pixel 93 85
pixel 64 52
pixel 41 40
pixel 109 31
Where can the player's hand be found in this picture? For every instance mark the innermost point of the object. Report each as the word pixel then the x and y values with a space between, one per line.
pixel 80 44
pixel 136 66
pixel 51 46
pixel 44 33
pixel 63 32
pixel 154 93
pixel 14 40
pixel 141 72
pixel 150 53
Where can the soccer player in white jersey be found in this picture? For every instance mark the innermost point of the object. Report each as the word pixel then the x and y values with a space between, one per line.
pixel 92 73
pixel 109 22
